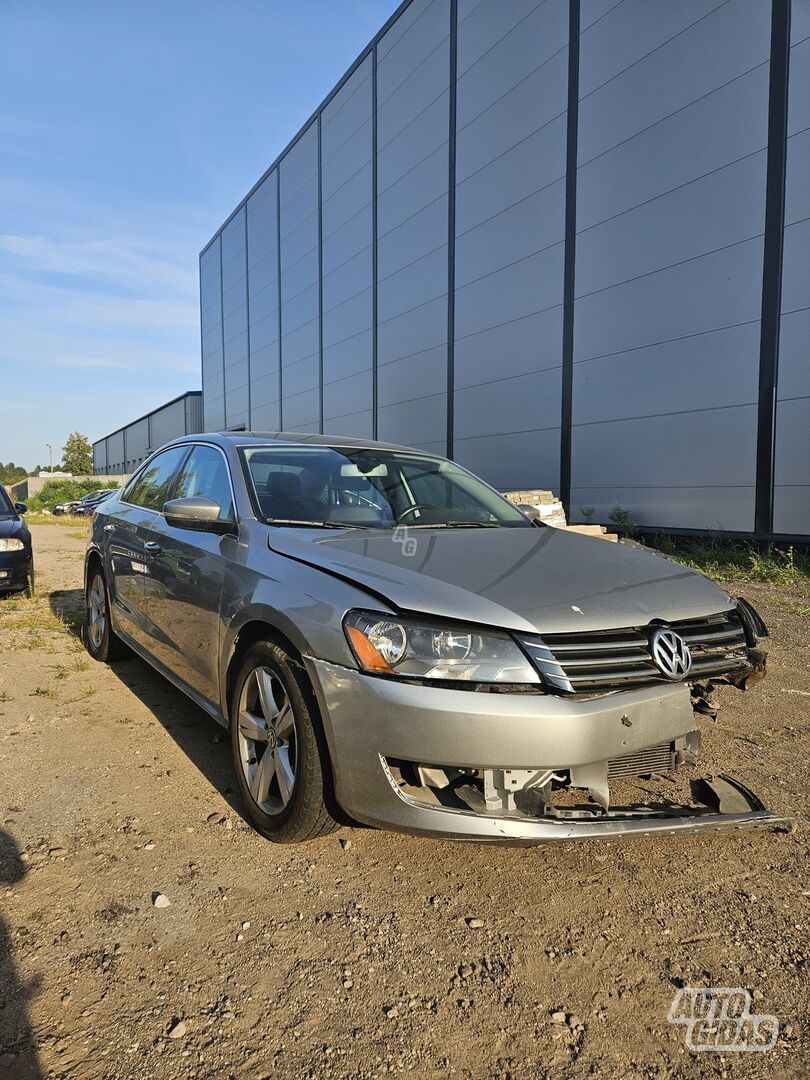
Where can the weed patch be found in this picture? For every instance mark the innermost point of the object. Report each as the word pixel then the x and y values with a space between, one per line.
pixel 736 560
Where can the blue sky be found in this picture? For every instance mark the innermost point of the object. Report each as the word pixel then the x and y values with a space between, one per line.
pixel 128 131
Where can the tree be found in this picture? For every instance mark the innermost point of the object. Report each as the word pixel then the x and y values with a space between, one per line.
pixel 11 473
pixel 77 455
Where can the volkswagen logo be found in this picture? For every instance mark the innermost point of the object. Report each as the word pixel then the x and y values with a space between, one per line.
pixel 670 653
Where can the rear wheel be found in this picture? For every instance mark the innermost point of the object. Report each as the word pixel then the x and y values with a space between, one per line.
pixel 103 643
pixel 278 753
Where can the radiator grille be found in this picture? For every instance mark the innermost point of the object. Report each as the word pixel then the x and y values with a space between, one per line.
pixel 618 659
pixel 651 759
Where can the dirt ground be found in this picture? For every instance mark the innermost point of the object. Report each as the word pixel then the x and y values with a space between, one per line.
pixel 354 956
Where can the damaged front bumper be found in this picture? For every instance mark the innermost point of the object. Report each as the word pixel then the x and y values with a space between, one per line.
pixel 521 768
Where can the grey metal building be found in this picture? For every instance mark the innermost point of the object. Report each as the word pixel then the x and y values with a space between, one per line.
pixel 122 451
pixel 566 242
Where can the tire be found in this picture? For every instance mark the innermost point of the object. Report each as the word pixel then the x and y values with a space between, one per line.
pixel 30 588
pixel 102 642
pixel 287 799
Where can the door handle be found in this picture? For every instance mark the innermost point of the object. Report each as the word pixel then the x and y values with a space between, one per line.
pixel 109 528
pixel 152 548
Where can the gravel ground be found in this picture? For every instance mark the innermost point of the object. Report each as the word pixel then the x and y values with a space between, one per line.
pixel 365 953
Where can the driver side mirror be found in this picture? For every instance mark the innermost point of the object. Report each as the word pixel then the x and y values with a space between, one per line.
pixel 531 512
pixel 21 508
pixel 197 513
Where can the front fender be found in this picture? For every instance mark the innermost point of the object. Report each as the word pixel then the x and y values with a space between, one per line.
pixel 305 604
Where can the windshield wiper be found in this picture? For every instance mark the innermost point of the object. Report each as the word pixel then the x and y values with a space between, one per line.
pixel 312 524
pixel 453 525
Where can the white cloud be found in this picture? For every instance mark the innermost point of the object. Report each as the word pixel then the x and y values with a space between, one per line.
pixel 113 263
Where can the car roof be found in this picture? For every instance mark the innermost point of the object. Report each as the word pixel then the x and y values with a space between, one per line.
pixel 295 438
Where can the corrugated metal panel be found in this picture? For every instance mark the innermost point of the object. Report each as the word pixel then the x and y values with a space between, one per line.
pixel 133 442
pixel 100 457
pixel 194 414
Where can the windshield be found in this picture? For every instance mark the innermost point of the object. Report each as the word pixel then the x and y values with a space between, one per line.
pixel 6 505
pixel 370 488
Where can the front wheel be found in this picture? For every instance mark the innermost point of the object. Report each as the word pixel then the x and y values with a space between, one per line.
pixel 278 754
pixel 103 643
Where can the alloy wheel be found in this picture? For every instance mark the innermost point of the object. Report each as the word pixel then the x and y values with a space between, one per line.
pixel 97 611
pixel 267 740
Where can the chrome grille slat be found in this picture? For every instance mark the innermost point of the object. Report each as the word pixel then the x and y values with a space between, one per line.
pixel 723 635
pixel 607 659
pixel 721 663
pixel 598 645
pixel 610 677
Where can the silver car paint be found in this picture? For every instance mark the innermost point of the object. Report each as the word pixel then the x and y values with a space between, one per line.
pixel 199 597
pixel 531 580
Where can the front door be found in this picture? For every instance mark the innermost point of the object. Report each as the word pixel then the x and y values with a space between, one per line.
pixel 126 535
pixel 186 572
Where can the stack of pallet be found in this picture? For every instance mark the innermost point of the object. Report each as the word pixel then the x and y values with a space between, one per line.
pixel 548 506
pixel 593 530
pixel 550 511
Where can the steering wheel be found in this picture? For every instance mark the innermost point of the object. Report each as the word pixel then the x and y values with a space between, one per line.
pixel 413 509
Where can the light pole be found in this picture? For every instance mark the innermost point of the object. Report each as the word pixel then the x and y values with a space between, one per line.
pixel 50 457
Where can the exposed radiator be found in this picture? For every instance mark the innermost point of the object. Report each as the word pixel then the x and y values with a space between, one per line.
pixel 652 759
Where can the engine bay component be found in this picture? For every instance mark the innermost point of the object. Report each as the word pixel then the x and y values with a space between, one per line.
pixel 648 782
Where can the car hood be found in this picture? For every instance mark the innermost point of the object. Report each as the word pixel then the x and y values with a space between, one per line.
pixel 530 580
pixel 12 526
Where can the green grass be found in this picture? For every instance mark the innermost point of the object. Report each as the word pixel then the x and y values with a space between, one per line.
pixel 33 518
pixel 41 691
pixel 62 490
pixel 737 560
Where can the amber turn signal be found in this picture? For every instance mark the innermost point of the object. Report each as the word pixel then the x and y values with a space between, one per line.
pixel 367 656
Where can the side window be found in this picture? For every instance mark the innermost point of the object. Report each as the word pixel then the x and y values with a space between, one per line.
pixel 205 474
pixel 150 487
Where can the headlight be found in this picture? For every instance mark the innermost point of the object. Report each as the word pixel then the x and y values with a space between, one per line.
pixel 387 645
pixel 11 545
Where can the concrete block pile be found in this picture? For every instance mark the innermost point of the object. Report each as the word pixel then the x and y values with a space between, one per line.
pixel 548 508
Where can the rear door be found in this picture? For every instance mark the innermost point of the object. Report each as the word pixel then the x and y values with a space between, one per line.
pixel 126 534
pixel 186 573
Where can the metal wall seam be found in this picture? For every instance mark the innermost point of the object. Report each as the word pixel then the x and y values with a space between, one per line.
pixel 374 425
pixel 569 275
pixel 320 279
pixel 202 354
pixel 247 322
pixel 222 336
pixel 451 229
pixel 776 174
pixel 278 287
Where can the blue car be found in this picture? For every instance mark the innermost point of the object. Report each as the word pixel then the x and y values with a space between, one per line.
pixel 16 552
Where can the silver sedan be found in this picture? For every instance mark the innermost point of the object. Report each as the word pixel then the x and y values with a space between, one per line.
pixel 389 640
